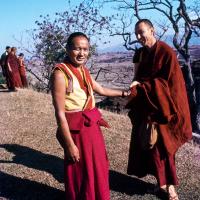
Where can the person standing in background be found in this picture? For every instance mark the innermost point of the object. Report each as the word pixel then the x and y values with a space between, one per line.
pixel 13 70
pixel 3 64
pixel 22 70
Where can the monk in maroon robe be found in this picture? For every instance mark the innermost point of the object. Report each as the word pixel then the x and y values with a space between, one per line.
pixel 79 133
pixel 22 70
pixel 158 94
pixel 13 70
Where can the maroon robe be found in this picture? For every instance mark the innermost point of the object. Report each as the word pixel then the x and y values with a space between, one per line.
pixel 87 179
pixel 22 72
pixel 162 97
pixel 13 76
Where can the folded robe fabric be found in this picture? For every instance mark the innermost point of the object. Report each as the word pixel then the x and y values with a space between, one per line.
pixel 162 96
pixel 88 178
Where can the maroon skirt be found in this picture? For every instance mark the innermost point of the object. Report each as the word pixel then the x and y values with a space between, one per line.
pixel 155 161
pixel 14 79
pixel 87 179
pixel 22 73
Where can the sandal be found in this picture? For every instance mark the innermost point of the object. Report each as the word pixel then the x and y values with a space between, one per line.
pixel 172 194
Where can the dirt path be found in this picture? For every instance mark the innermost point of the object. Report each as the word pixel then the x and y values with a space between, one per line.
pixel 31 159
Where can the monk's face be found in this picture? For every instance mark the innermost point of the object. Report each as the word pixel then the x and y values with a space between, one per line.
pixel 145 34
pixel 79 51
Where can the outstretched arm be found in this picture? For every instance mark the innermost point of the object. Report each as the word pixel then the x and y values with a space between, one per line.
pixel 58 94
pixel 108 91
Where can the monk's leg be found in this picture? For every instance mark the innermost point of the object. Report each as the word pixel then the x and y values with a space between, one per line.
pixel 88 178
pixel 164 169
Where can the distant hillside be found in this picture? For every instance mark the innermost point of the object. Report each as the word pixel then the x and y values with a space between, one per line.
pixel 112 48
pixel 116 48
pixel 32 161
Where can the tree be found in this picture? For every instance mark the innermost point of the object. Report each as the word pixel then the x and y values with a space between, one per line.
pixel 180 18
pixel 51 35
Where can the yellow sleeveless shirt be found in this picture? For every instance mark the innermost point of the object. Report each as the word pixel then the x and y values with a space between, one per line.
pixel 76 99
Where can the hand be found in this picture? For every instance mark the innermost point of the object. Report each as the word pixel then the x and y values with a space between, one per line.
pixel 72 153
pixel 126 93
pixel 134 83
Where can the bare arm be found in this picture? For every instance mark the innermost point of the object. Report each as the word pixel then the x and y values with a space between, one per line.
pixel 108 91
pixel 58 94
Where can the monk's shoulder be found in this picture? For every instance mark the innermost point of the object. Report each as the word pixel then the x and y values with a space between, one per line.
pixel 165 48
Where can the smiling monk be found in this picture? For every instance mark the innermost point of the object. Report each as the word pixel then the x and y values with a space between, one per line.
pixel 158 96
pixel 79 121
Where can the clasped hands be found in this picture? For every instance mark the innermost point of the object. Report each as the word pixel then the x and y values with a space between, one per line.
pixel 128 92
pixel 134 83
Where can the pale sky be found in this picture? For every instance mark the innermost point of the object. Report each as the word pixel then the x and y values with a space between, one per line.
pixel 17 16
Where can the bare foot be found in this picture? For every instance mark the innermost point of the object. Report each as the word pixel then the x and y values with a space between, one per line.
pixel 172 193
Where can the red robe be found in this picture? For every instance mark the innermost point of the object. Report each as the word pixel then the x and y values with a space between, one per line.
pixel 13 76
pixel 87 179
pixel 22 72
pixel 161 96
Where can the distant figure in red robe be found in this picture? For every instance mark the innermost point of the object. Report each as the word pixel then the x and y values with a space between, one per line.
pixel 158 95
pixel 13 70
pixel 79 121
pixel 22 70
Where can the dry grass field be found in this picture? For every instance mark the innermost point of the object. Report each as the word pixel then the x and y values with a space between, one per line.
pixel 31 160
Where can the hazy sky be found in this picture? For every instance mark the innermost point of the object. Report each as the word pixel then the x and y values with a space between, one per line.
pixel 17 16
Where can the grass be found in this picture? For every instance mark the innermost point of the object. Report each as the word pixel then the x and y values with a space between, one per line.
pixel 31 158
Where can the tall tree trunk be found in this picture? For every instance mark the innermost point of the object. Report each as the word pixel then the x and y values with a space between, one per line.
pixel 191 92
pixel 196 75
